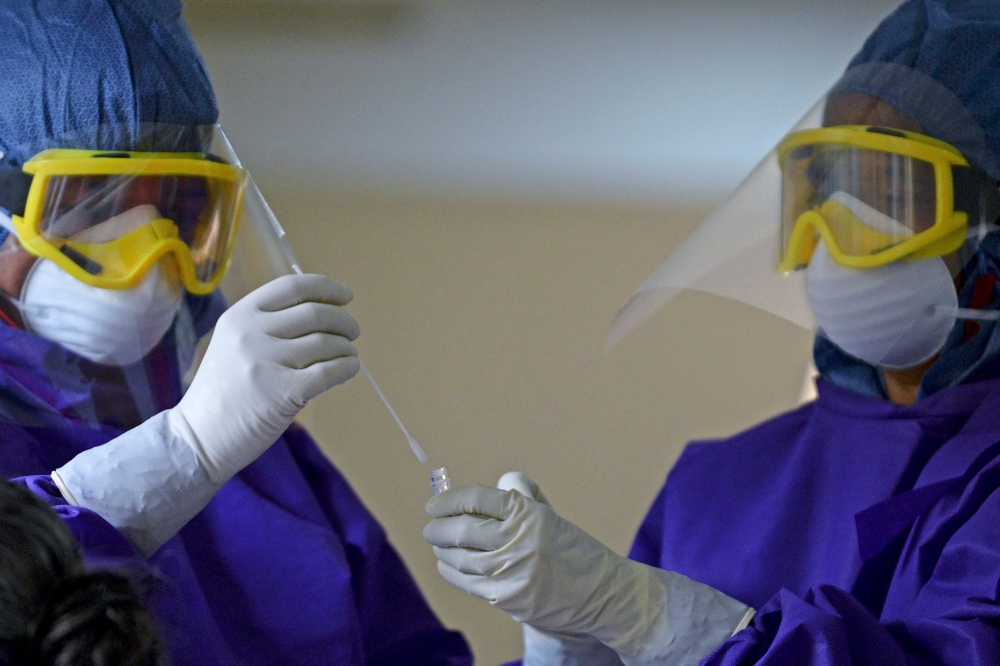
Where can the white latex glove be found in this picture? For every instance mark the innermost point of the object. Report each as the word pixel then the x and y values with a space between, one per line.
pixel 147 482
pixel 547 648
pixel 273 351
pixel 541 569
pixel 551 648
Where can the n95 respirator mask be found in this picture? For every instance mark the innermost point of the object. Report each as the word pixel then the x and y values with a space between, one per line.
pixel 894 316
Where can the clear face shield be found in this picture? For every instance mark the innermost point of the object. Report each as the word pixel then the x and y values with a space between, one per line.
pixel 857 225
pixel 116 266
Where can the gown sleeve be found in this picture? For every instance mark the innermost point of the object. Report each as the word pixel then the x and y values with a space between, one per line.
pixel 397 625
pixel 941 607
pixel 101 545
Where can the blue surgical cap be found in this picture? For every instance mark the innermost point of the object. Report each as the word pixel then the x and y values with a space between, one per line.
pixel 938 61
pixel 71 67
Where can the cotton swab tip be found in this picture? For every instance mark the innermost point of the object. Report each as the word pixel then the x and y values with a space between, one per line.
pixel 417 450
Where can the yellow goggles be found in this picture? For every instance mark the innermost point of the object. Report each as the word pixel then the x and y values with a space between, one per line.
pixel 107 217
pixel 873 195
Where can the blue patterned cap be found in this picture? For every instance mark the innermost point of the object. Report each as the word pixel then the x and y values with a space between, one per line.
pixel 938 61
pixel 95 73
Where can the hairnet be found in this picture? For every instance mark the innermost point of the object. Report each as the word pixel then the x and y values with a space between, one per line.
pixel 100 71
pixel 939 61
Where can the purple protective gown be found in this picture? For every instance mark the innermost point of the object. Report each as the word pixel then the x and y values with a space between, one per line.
pixel 865 532
pixel 284 566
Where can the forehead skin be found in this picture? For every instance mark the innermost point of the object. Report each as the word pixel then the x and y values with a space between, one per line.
pixel 856 108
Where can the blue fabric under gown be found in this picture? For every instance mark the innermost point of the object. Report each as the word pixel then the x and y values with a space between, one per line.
pixel 284 566
pixel 864 532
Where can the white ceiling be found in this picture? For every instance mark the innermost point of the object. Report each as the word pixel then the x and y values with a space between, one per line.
pixel 645 101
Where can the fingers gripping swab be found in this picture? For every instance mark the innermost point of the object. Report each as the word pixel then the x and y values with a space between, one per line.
pixel 417 450
pixel 286 250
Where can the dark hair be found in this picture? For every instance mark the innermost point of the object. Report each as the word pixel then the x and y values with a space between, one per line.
pixel 52 610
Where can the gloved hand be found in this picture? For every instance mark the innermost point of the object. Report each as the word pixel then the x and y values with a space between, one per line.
pixel 550 648
pixel 521 556
pixel 271 352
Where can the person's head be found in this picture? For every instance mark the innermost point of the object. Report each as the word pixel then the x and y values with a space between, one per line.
pixel 115 203
pixel 890 201
pixel 885 192
pixel 52 610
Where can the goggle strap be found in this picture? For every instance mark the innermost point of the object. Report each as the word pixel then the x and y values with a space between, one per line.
pixel 968 313
pixel 14 188
pixel 970 186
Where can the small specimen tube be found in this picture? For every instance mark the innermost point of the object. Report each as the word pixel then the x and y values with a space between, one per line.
pixel 439 480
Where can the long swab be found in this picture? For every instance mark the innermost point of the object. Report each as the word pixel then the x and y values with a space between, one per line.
pixel 286 249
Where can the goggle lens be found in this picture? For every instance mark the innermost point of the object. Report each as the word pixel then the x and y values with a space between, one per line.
pixel 870 200
pixel 93 209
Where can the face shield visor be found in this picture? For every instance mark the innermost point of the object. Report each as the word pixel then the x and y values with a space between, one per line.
pixel 118 263
pixel 865 190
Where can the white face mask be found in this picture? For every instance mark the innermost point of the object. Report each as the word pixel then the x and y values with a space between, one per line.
pixel 109 326
pixel 895 316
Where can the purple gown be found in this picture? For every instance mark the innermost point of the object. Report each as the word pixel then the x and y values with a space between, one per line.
pixel 864 532
pixel 284 566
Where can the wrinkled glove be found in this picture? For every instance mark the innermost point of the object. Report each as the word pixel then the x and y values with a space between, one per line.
pixel 518 554
pixel 550 648
pixel 273 351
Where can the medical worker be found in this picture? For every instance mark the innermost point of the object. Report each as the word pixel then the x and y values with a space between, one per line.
pixel 123 208
pixel 864 527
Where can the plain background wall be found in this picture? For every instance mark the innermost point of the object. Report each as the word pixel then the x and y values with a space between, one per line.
pixel 493 180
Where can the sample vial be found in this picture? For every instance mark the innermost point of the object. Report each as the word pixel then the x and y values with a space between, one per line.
pixel 439 480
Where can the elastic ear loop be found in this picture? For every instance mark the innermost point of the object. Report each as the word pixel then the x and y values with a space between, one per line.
pixel 966 313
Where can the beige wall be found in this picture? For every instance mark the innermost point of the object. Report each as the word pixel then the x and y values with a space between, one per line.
pixel 484 318
pixel 484 322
